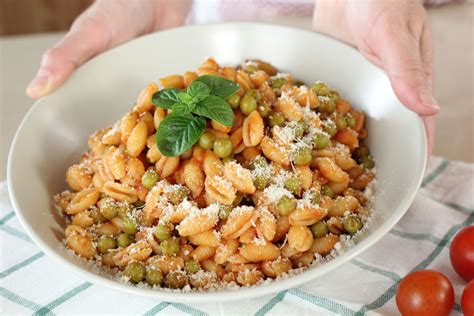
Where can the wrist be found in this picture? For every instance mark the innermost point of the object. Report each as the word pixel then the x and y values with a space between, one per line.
pixel 330 18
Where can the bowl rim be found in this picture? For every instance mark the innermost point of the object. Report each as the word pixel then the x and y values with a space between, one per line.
pixel 225 294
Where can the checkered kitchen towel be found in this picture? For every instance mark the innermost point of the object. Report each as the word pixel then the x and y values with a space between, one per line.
pixel 30 282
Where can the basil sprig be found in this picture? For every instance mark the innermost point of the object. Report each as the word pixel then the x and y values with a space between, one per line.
pixel 204 98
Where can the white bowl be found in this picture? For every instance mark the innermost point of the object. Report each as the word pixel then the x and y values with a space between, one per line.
pixel 54 133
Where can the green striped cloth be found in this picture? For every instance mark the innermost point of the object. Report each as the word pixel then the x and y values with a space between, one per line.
pixel 31 283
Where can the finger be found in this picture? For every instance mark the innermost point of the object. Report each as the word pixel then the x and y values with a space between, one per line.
pixel 100 27
pixel 429 122
pixel 400 56
pixel 426 52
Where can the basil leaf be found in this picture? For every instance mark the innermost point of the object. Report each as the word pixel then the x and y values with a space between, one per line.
pixel 178 133
pixel 192 106
pixel 185 98
pixel 181 109
pixel 219 86
pixel 166 98
pixel 216 109
pixel 198 91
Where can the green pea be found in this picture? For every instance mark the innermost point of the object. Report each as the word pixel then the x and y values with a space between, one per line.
pixel 234 101
pixel 352 224
pixel 223 147
pixel 207 140
pixel 178 195
pixel 314 196
pixel 105 243
pixel 286 205
pixel 129 226
pixel 334 95
pixel 224 211
pixel 258 162
pixel 135 271
pixel 303 156
pixel 340 122
pixel 327 191
pixel 330 128
pixel 253 93
pixel 319 229
pixel 367 162
pixel 248 104
pixel 192 266
pixel 162 232
pixel 124 209
pixel 124 239
pixel 263 109
pixel 97 216
pixel 250 68
pixel 261 182
pixel 176 280
pixel 154 277
pixel 170 246
pixel 326 105
pixel 300 129
pixel 350 120
pixel 109 209
pixel 293 184
pixel 149 179
pixel 320 88
pixel 277 83
pixel 321 141
pixel 276 118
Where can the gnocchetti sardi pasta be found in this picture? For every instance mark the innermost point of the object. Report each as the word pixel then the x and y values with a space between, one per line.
pixel 274 193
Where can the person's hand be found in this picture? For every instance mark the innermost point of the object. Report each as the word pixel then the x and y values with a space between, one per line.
pixel 394 35
pixel 106 24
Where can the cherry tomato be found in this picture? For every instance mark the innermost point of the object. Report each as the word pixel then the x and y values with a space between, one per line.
pixel 467 299
pixel 462 253
pixel 425 292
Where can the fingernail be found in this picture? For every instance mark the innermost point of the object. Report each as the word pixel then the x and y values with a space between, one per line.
pixel 428 100
pixel 40 85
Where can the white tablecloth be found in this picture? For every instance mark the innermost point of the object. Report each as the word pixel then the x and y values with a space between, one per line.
pixel 30 282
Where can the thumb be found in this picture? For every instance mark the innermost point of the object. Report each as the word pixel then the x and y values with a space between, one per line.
pixel 401 59
pixel 86 38
pixel 56 67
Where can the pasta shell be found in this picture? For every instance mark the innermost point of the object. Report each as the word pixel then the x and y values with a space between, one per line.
pixel 331 171
pixel 144 99
pixel 193 176
pixel 166 166
pixel 78 177
pixel 137 139
pixel 78 240
pixel 82 201
pixel 257 253
pixel 240 177
pixel 211 165
pixel 120 192
pixel 300 238
pixel 240 219
pixel 253 127
pixel 219 189
pixel 127 124
pixel 275 152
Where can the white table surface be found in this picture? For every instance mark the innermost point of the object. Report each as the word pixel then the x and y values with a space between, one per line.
pixel 453 29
